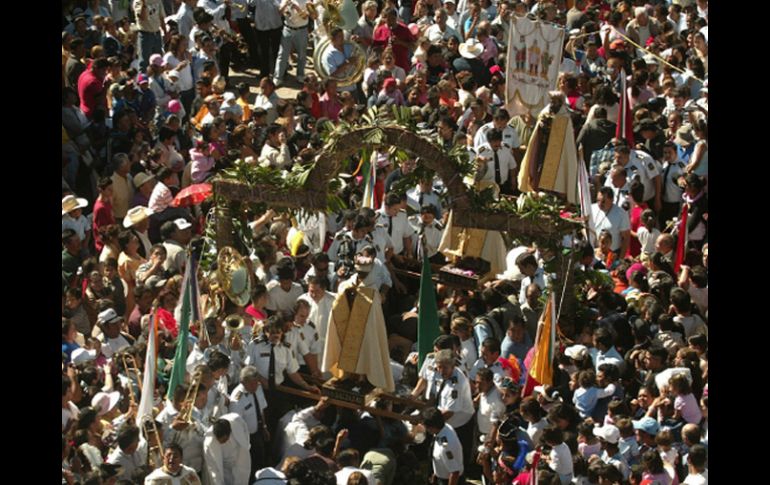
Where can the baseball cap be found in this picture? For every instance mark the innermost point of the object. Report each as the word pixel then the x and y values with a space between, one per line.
pixel 182 224
pixel 648 425
pixel 609 433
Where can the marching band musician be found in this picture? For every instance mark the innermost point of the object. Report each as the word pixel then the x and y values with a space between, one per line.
pixel 232 348
pixel 188 436
pixel 215 380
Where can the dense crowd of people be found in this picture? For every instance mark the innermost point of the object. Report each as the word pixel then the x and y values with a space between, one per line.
pixel 149 109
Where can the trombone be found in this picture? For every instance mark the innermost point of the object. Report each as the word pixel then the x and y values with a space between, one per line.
pixel 186 409
pixel 154 444
pixel 129 364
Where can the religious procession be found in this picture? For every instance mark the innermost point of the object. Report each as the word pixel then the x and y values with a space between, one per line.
pixel 345 242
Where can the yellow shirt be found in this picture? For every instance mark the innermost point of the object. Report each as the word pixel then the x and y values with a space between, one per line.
pixel 122 192
pixel 246 109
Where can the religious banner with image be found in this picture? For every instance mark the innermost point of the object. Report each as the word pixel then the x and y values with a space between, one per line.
pixel 532 66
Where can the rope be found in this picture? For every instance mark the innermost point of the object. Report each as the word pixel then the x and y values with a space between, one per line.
pixel 653 54
pixel 564 287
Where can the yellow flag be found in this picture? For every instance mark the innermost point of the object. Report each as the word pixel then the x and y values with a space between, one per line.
pixel 545 343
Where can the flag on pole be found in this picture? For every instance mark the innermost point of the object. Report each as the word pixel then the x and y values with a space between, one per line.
pixel 624 129
pixel 681 238
pixel 370 178
pixel 545 344
pixel 188 311
pixel 427 315
pixel 584 189
pixel 148 382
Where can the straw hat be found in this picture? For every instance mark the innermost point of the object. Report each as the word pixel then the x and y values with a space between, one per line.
pixel 71 203
pixel 471 49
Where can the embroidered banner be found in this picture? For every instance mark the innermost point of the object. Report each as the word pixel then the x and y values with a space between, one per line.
pixel 532 66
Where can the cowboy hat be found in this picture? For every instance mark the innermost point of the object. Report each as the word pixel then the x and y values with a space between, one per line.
pixel 471 49
pixel 70 203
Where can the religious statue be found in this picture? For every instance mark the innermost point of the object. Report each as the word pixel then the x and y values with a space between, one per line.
pixel 356 341
pixel 534 59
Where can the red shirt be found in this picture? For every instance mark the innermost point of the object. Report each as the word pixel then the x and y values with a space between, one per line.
pixel 102 217
pixel 401 53
pixel 91 93
pixel 635 247
pixel 315 110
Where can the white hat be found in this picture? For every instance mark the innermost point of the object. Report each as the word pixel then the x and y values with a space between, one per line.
pixel 70 203
pixel 82 355
pixel 173 73
pixel 104 402
pixel 182 224
pixel 229 97
pixel 142 178
pixel 108 316
pixel 471 49
pixel 650 59
pixel 136 215
pixel 577 352
pixel 609 433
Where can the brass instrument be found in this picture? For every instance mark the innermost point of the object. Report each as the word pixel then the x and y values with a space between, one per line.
pixel 333 17
pixel 233 276
pixel 129 365
pixel 235 323
pixel 154 442
pixel 186 409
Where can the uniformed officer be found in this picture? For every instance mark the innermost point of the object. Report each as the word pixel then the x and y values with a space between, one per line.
pixel 424 194
pixel 346 246
pixel 428 369
pixel 395 222
pixel 639 165
pixel 495 163
pixel 451 391
pixel 426 225
pixel 500 120
pixel 248 401
pixel 620 187
pixel 308 336
pixel 490 359
pixel 446 451
pixel 272 358
pixel 673 168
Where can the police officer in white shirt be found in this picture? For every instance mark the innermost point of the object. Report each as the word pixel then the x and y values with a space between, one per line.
pixel 451 391
pixel 499 121
pixel 272 357
pixel 429 369
pixel 673 168
pixel 396 224
pixel 495 163
pixel 426 225
pixel 641 166
pixel 346 245
pixel 248 401
pixel 446 451
pixel 620 187
pixel 424 194
pixel 490 355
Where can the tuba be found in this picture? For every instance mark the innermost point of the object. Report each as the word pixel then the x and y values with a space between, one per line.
pixel 233 276
pixel 335 15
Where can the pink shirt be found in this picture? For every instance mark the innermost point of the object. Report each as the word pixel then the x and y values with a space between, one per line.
pixel 688 407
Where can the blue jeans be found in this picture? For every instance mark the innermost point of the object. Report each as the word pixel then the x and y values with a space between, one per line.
pixel 291 40
pixel 149 43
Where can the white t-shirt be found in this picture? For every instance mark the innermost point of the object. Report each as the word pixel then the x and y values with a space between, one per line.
pixel 278 299
pixel 561 459
pixel 615 221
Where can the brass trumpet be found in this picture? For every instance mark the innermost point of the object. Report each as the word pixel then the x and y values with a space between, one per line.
pixel 154 443
pixel 186 409
pixel 235 323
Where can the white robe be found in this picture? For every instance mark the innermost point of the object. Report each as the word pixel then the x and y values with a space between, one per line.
pixel 227 464
pixel 373 358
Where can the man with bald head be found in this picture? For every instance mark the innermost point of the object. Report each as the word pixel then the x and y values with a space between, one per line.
pixel 665 245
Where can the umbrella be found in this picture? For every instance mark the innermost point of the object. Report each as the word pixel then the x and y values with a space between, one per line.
pixel 192 195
